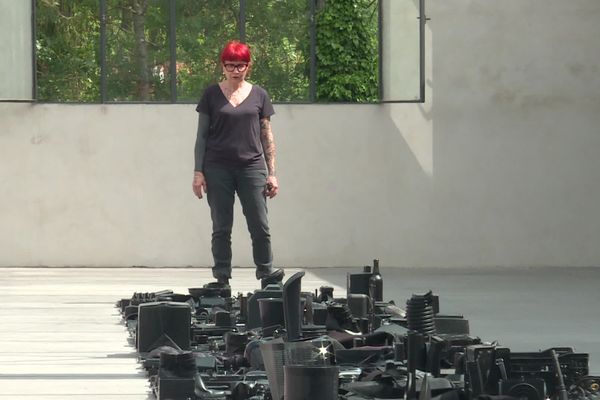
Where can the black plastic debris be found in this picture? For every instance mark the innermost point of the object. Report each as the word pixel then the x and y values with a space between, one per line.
pixel 280 342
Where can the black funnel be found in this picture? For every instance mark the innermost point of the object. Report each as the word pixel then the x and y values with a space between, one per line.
pixel 164 323
pixel 291 306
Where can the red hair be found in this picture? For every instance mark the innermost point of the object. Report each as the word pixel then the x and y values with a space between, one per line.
pixel 235 51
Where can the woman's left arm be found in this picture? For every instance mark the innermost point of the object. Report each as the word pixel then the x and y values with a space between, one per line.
pixel 268 144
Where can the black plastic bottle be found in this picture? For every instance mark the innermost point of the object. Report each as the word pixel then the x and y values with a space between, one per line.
pixel 376 283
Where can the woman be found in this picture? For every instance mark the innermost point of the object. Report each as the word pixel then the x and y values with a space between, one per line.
pixel 235 153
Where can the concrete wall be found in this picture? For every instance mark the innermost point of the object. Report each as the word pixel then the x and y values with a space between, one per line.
pixel 498 167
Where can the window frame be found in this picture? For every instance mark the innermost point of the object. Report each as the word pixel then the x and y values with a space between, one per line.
pixel 242 34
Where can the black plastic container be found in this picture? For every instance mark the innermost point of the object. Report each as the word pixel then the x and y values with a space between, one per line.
pixel 271 312
pixel 310 382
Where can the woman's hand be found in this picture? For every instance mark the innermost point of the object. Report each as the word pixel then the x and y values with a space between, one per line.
pixel 272 187
pixel 199 184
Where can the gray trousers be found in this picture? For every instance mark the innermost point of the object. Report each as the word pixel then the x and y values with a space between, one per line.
pixel 221 186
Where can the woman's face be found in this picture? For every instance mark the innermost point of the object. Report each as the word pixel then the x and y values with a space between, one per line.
pixel 236 70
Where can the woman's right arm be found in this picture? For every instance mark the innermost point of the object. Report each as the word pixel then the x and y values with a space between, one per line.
pixel 199 183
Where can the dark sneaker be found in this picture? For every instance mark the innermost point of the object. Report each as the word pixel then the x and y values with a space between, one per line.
pixel 274 277
pixel 222 281
pixel 220 287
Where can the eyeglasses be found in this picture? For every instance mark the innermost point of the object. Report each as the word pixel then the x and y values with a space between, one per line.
pixel 239 67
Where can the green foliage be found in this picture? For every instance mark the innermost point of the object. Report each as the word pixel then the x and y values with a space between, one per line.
pixel 347 51
pixel 135 56
pixel 138 55
pixel 203 28
pixel 277 32
pixel 66 46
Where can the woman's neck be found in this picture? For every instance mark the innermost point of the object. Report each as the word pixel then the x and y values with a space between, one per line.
pixel 234 85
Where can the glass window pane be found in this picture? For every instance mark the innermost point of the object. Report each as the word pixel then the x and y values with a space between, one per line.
pixel 400 50
pixel 67 50
pixel 15 46
pixel 278 34
pixel 203 28
pixel 347 51
pixel 137 54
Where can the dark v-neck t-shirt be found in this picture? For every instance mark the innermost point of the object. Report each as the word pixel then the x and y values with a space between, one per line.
pixel 234 132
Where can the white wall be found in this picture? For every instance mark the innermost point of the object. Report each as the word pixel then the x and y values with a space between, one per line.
pixel 499 167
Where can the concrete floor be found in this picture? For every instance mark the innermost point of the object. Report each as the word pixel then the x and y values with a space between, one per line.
pixel 62 338
pixel 525 309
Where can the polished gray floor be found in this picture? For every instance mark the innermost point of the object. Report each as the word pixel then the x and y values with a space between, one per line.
pixel 62 337
pixel 525 309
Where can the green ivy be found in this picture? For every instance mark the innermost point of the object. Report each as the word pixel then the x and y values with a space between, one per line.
pixel 347 51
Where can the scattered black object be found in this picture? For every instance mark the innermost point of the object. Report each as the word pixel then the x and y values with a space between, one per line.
pixel 308 313
pixel 561 390
pixel 326 294
pixel 243 313
pixel 223 319
pixel 123 303
pixel 425 392
pixel 420 314
pixel 271 312
pixel 376 283
pixel 253 315
pixel 378 385
pixel 178 378
pixel 274 360
pixel 291 306
pixel 131 312
pixel 310 382
pixel 212 289
pixel 339 318
pixel 434 354
pixel 529 389
pixel 320 313
pixel 171 386
pixel 451 325
pixel 235 342
pixel 181 364
pixel 254 354
pixel 526 365
pixel 399 351
pixel 163 324
pixel 246 390
pixel 274 277
pixel 364 356
pixel 209 345
pixel 585 389
pixel 359 305
pixel 358 283
pixel 414 360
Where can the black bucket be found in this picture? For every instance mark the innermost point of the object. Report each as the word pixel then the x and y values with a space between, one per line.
pixel 271 312
pixel 310 382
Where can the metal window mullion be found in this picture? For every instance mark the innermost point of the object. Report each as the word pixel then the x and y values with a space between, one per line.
pixel 103 51
pixel 242 25
pixel 313 52
pixel 173 49
pixel 422 21
pixel 34 50
pixel 380 47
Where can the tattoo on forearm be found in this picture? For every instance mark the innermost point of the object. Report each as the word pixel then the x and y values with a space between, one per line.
pixel 268 143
